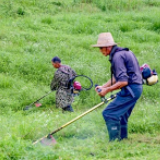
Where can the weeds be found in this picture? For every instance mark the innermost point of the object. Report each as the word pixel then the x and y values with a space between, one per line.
pixel 32 33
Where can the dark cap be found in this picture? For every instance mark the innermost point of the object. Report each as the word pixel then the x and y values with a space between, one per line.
pixel 56 59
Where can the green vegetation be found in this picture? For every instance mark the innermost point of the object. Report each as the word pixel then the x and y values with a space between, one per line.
pixel 34 31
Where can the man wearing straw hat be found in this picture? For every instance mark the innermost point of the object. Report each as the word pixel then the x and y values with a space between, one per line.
pixel 126 76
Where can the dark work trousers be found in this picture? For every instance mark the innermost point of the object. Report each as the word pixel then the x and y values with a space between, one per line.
pixel 68 108
pixel 116 114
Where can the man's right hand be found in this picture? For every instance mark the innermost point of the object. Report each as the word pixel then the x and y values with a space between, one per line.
pixel 98 88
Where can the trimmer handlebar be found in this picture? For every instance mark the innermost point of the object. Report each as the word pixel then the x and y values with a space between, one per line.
pixel 103 99
pixel 99 90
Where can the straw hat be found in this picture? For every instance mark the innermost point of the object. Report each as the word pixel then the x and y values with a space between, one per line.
pixel 105 40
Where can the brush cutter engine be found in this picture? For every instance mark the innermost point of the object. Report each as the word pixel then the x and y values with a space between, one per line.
pixel 150 77
pixel 76 88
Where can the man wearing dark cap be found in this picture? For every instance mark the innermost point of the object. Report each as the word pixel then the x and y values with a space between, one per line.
pixel 125 75
pixel 64 73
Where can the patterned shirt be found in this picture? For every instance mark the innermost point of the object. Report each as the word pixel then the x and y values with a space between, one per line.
pixel 59 83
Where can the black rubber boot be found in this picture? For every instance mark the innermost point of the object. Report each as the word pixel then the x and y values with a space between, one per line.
pixel 113 130
pixel 124 132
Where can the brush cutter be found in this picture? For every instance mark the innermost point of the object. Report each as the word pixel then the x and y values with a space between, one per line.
pixel 50 140
pixel 36 103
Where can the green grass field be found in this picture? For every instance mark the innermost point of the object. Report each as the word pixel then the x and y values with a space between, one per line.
pixel 32 32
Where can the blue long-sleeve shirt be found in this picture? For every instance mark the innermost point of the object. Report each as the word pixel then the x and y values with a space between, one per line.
pixel 125 66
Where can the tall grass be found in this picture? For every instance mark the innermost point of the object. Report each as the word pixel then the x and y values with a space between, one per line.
pixel 32 33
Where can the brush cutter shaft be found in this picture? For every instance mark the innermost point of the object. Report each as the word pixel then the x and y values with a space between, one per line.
pixel 78 117
pixel 83 114
pixel 42 97
pixel 65 125
pixel 75 119
pixel 30 106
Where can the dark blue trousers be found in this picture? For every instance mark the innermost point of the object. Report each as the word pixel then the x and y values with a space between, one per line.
pixel 68 108
pixel 116 114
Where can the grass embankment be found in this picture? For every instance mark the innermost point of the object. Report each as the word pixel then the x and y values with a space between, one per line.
pixel 31 33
